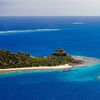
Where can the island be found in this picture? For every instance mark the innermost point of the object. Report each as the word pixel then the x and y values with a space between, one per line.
pixel 22 61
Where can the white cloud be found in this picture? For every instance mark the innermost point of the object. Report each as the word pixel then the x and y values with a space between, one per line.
pixel 50 7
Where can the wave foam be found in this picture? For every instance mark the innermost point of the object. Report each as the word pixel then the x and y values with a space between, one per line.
pixel 78 23
pixel 35 30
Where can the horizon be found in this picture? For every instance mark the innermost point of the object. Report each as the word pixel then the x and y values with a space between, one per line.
pixel 50 16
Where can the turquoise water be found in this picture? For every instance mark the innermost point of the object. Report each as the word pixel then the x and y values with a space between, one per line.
pixel 82 74
pixel 40 36
pixel 74 84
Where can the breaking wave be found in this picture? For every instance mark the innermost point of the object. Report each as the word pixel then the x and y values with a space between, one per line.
pixel 78 23
pixel 35 30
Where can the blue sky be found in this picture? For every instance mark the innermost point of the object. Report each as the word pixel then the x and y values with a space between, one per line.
pixel 49 7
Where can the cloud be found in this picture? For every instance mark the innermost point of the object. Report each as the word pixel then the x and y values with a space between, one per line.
pixel 50 7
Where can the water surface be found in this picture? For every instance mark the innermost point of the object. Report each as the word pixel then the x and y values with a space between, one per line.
pixel 40 36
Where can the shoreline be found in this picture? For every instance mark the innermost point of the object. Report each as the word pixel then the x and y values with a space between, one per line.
pixel 86 61
pixel 42 68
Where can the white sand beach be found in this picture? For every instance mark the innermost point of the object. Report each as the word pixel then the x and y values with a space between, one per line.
pixel 35 68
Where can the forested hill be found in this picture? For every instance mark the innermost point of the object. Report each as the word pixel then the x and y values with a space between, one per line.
pixel 21 59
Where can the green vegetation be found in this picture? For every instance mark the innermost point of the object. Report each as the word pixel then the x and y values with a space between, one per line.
pixel 20 59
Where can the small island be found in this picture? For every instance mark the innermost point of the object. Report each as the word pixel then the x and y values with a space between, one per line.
pixel 22 61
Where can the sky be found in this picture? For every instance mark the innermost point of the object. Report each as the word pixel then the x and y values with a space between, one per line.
pixel 49 7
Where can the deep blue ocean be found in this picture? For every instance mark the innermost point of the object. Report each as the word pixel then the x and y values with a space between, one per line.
pixel 40 36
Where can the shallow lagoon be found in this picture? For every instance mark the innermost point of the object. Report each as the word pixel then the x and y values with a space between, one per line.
pixel 74 84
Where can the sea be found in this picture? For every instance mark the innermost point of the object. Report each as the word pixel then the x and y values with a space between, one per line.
pixel 41 36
